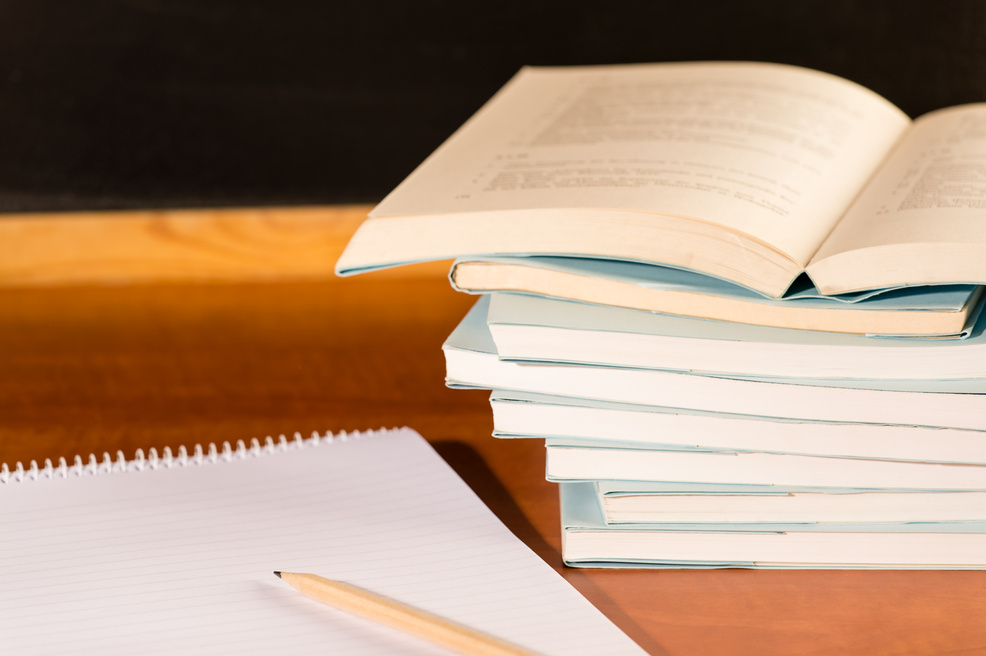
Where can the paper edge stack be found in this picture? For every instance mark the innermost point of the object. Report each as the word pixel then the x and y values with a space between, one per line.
pixel 909 517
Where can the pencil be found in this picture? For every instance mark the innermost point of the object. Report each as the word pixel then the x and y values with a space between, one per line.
pixel 399 616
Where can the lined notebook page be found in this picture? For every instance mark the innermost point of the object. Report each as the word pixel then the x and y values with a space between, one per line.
pixel 179 559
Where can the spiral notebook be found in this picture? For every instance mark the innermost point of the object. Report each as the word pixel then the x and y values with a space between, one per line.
pixel 174 553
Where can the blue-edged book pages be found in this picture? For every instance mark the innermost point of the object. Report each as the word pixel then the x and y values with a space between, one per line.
pixel 933 311
pixel 587 541
pixel 472 361
pixel 581 461
pixel 532 329
pixel 525 415
pixel 635 502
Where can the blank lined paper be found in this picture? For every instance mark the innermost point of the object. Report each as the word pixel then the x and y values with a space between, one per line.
pixel 181 557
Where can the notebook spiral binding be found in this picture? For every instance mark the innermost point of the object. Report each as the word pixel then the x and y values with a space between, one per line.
pixel 167 459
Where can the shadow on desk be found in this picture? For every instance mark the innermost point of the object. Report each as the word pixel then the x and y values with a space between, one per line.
pixel 469 464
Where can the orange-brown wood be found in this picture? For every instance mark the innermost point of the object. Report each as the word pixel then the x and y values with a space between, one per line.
pixel 235 244
pixel 105 368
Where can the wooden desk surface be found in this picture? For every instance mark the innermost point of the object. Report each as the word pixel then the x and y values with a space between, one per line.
pixel 94 368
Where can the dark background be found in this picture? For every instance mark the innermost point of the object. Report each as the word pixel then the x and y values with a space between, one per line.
pixel 145 103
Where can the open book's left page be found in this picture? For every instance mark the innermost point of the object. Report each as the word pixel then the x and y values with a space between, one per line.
pixel 179 559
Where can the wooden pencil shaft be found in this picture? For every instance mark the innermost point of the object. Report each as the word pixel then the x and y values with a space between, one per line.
pixel 398 616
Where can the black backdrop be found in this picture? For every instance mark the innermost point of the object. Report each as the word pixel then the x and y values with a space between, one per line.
pixel 150 103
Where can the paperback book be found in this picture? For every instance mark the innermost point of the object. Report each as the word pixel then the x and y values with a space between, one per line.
pixel 525 415
pixel 579 461
pixel 627 502
pixel 932 311
pixel 587 541
pixel 532 329
pixel 472 361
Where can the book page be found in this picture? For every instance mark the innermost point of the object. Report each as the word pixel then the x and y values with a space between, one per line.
pixel 924 208
pixel 776 152
pixel 180 559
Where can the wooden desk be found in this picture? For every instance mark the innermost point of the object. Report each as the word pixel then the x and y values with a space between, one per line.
pixel 94 368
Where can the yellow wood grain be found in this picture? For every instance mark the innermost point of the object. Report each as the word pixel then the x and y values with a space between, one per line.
pixel 231 244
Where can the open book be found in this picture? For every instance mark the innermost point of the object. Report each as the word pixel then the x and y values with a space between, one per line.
pixel 755 173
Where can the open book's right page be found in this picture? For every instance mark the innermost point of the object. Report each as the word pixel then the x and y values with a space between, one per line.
pixel 922 219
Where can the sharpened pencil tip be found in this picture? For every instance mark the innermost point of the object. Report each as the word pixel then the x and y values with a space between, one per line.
pixel 277 574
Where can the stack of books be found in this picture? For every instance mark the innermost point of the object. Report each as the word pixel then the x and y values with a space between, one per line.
pixel 740 303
